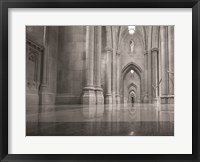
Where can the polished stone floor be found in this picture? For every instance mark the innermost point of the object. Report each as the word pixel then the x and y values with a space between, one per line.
pixel 101 120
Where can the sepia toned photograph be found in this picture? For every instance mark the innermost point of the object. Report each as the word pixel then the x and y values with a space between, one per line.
pixel 100 80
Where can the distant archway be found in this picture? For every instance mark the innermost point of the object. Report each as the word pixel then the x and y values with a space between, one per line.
pixel 137 70
pixel 131 97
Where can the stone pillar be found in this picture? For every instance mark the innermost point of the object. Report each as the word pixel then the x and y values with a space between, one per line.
pixel 171 64
pixel 98 89
pixel 155 81
pixel 163 54
pixel 89 97
pixel 108 76
pixel 171 59
pixel 149 66
pixel 145 97
pixel 109 51
pixel 159 66
pixel 43 86
pixel 114 65
pixel 118 78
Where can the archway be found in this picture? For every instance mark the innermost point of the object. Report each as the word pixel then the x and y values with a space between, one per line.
pixel 133 85
pixel 131 97
pixel 133 94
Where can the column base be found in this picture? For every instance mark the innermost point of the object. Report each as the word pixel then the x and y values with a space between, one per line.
pixel 113 99
pixel 168 99
pixel 117 99
pixel 99 102
pixel 46 98
pixel 89 97
pixel 145 98
pixel 156 101
pixel 43 99
pixel 108 101
pixel 150 99
pixel 163 100
pixel 99 96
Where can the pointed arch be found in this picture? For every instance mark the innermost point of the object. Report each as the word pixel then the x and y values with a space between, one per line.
pixel 132 85
pixel 131 66
pixel 126 69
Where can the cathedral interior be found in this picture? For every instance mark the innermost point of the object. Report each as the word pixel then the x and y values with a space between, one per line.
pixel 99 80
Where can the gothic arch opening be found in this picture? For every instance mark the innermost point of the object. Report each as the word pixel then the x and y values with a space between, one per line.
pixel 131 83
pixel 131 97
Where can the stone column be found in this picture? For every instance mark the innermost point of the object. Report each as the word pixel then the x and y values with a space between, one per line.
pixel 145 96
pixel 114 65
pixel 155 81
pixel 108 77
pixel 108 99
pixel 118 78
pixel 99 90
pixel 149 65
pixel 171 58
pixel 159 68
pixel 171 63
pixel 163 54
pixel 43 86
pixel 89 97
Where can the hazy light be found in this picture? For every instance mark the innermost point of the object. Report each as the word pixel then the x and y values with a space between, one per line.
pixel 131 29
pixel 132 71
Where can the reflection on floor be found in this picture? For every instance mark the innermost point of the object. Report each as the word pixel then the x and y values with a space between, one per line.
pixel 102 120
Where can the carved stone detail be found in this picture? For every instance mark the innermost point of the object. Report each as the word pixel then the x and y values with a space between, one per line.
pixel 32 56
pixel 34 45
pixel 33 63
pixel 31 84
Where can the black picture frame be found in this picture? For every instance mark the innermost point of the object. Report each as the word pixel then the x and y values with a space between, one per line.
pixel 6 4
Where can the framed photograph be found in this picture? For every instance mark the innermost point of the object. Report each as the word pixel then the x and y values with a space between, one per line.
pixel 99 81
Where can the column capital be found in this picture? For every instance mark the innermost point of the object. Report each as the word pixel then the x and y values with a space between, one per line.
pixel 154 49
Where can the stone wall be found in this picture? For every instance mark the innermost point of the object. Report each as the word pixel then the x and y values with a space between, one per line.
pixel 70 72
pixel 41 64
